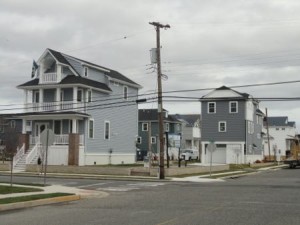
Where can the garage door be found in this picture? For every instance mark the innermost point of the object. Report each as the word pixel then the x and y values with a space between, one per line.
pixel 218 156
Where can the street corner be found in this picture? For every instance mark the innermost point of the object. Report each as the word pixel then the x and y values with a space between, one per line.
pixel 85 193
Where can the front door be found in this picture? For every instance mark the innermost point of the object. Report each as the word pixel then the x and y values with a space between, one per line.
pixel 39 128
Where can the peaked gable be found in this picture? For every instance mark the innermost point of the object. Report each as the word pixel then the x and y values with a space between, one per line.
pixel 225 92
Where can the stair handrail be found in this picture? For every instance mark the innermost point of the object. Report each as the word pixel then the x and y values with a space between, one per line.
pixel 18 155
pixel 34 152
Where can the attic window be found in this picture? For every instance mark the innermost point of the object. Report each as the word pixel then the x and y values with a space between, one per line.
pixel 86 71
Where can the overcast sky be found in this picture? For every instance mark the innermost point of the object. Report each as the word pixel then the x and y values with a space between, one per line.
pixel 210 43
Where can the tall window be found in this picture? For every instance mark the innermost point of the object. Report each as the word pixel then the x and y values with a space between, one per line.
pixel 222 126
pixel 211 107
pixel 89 96
pixel 36 96
pixel 13 124
pixel 86 71
pixel 167 127
pixel 233 107
pixel 139 140
pixel 144 126
pixel 57 127
pixel 79 95
pixel 106 130
pixel 125 92
pixel 91 128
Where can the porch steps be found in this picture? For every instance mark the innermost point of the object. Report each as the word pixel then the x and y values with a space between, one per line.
pixel 21 164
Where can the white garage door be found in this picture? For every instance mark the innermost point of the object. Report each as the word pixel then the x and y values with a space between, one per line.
pixel 218 156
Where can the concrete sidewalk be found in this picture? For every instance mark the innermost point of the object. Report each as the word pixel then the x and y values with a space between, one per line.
pixel 78 194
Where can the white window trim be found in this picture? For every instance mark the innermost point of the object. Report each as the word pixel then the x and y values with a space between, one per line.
pixel 139 140
pixel 167 127
pixel 93 129
pixel 214 107
pixel 143 127
pixel 87 96
pixel 125 97
pixel 153 140
pixel 107 122
pixel 220 126
pixel 230 108
pixel 85 71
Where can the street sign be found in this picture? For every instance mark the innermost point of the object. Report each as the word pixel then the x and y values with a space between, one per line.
pixel 211 146
pixel 47 134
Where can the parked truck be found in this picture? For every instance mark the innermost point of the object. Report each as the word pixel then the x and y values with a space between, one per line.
pixel 294 159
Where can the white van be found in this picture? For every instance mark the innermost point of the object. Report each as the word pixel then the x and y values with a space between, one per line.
pixel 189 154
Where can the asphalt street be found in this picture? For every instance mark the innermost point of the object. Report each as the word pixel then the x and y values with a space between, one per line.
pixel 269 197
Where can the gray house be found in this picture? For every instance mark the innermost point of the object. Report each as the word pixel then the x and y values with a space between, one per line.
pixel 233 123
pixel 191 135
pixel 148 131
pixel 91 109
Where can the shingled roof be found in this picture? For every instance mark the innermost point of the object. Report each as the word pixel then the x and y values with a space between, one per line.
pixel 71 79
pixel 63 58
pixel 152 115
pixel 280 121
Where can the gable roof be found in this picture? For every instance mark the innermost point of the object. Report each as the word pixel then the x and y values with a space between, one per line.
pixel 231 94
pixel 63 58
pixel 280 121
pixel 189 119
pixel 152 115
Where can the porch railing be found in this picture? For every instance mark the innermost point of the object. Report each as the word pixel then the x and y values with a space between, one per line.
pixel 62 139
pixel 35 151
pixel 18 155
pixel 55 106
pixel 47 78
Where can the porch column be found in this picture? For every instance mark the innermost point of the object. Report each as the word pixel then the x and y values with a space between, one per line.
pixel 41 100
pixel 75 97
pixel 25 100
pixel 24 126
pixel 74 126
pixel 57 99
pixel 58 73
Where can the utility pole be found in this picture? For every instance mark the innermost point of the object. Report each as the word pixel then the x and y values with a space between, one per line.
pixel 267 124
pixel 149 145
pixel 158 26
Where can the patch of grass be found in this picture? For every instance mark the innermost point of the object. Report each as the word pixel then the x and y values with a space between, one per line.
pixel 27 184
pixel 32 197
pixel 6 189
pixel 122 165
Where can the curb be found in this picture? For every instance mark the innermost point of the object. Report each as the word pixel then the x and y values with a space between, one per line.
pixel 39 202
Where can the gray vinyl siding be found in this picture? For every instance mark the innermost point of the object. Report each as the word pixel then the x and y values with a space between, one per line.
pixel 235 122
pixel 123 124
pixel 96 75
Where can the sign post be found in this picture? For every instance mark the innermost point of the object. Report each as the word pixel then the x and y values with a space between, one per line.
pixel 47 139
pixel 211 148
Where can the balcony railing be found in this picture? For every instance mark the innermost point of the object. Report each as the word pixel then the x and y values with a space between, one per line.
pixel 55 106
pixel 47 78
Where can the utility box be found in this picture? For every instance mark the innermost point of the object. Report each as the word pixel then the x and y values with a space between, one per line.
pixel 153 55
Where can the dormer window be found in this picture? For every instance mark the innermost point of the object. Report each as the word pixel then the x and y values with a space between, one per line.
pixel 86 71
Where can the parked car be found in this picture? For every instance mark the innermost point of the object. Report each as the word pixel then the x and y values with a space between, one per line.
pixel 189 154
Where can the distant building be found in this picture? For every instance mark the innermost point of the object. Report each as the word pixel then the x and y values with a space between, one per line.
pixel 148 120
pixel 282 133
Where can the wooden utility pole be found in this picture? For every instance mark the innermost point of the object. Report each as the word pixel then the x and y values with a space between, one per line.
pixel 158 26
pixel 267 125
pixel 149 145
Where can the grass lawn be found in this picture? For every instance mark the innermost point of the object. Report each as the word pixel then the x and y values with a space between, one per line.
pixel 7 189
pixel 31 197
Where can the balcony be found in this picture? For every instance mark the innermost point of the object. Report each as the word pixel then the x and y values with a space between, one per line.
pixel 49 78
pixel 55 106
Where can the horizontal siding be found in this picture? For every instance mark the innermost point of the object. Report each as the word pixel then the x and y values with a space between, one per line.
pixel 235 122
pixel 123 122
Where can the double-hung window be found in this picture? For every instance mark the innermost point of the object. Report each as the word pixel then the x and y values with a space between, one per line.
pixel 106 130
pixel 125 92
pixel 153 140
pixel 222 126
pixel 233 107
pixel 144 126
pixel 91 128
pixel 139 140
pixel 211 107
